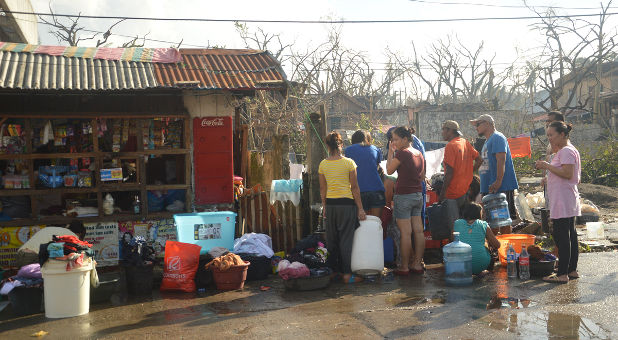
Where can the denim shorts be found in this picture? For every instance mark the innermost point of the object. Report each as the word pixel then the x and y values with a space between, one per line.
pixel 373 199
pixel 408 205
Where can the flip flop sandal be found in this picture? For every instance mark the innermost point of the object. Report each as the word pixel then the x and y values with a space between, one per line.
pixel 554 279
pixel 352 279
pixel 573 277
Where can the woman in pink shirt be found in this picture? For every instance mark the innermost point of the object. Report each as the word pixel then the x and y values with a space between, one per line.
pixel 564 173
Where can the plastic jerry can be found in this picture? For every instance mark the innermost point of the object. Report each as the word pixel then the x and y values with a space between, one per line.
pixel 368 247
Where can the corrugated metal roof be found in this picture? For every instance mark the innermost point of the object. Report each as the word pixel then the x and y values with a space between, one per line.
pixel 40 71
pixel 223 69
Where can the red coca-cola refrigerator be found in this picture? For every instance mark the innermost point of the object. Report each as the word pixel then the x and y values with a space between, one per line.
pixel 213 160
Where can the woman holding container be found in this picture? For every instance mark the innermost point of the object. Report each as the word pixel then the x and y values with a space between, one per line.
pixel 342 206
pixel 564 173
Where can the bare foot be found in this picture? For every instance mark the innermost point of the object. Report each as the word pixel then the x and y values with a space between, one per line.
pixel 573 275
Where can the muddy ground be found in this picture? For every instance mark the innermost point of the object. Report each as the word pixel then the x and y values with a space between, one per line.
pixel 414 307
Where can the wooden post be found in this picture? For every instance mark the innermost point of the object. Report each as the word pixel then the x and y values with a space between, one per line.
pixel 236 141
pixel 315 154
pixel 281 151
pixel 244 157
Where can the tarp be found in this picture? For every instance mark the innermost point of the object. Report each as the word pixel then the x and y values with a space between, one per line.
pixel 146 55
pixel 44 236
pixel 520 147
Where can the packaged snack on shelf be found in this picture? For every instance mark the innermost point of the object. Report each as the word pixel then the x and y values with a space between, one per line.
pixel 51 181
pixel 52 176
pixel 84 179
pixel 70 180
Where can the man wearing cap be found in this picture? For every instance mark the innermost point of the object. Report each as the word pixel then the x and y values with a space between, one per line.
pixel 496 171
pixel 460 161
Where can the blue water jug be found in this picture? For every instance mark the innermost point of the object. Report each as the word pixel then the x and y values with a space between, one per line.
pixel 496 210
pixel 458 262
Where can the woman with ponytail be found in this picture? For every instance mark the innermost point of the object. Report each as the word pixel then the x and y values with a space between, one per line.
pixel 564 173
pixel 342 206
pixel 408 199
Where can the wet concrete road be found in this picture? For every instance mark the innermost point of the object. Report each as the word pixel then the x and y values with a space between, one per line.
pixel 415 307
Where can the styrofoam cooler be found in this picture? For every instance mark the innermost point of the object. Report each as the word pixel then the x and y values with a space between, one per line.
pixel 368 247
pixel 66 293
pixel 207 229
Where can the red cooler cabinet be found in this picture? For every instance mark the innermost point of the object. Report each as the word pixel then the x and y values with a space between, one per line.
pixel 213 163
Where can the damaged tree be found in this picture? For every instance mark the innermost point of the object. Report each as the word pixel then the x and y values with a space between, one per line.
pixel 70 32
pixel 574 51
pixel 451 72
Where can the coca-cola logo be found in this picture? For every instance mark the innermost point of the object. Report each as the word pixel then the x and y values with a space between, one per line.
pixel 173 263
pixel 208 122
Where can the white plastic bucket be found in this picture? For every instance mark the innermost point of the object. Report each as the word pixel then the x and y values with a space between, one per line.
pixel 595 230
pixel 66 293
pixel 368 247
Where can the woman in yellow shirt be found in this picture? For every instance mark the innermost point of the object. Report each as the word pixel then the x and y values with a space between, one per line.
pixel 341 205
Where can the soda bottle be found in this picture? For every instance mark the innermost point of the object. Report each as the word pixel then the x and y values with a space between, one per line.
pixel 511 266
pixel 524 264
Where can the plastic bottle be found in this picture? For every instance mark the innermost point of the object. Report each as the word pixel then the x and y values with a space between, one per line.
pixel 524 264
pixel 458 262
pixel 137 206
pixel 511 266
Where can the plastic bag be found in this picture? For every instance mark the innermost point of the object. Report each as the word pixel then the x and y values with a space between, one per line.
pixel 181 261
pixel 94 276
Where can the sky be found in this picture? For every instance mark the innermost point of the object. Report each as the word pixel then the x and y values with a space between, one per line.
pixel 508 40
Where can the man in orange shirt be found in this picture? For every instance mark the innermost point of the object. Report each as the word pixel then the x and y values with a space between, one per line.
pixel 460 162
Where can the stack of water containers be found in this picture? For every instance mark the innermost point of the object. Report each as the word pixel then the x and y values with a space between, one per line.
pixel 496 210
pixel 458 262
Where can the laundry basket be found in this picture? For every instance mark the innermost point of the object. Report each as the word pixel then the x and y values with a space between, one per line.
pixel 231 279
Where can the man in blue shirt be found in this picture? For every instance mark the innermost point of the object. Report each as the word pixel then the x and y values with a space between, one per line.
pixel 496 170
pixel 367 158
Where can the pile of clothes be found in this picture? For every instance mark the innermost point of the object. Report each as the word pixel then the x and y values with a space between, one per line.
pixel 28 276
pixel 309 251
pixel 307 259
pixel 66 248
pixel 135 251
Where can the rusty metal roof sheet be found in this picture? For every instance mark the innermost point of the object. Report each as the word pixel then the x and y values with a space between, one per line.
pixel 224 69
pixel 227 69
pixel 44 72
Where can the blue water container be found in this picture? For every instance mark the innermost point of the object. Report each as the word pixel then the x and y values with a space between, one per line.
pixel 497 210
pixel 458 262
pixel 207 229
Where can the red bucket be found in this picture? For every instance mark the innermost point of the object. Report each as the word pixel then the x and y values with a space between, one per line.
pixel 231 279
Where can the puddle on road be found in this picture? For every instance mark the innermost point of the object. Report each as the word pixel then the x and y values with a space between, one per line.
pixel 547 325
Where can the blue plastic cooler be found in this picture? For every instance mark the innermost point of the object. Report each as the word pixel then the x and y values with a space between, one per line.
pixel 207 229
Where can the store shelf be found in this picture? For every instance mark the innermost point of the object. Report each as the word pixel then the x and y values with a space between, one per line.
pixel 162 214
pixel 121 187
pixel 47 191
pixel 167 187
pixel 61 220
pixel 32 160
pixel 145 152
pixel 50 155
